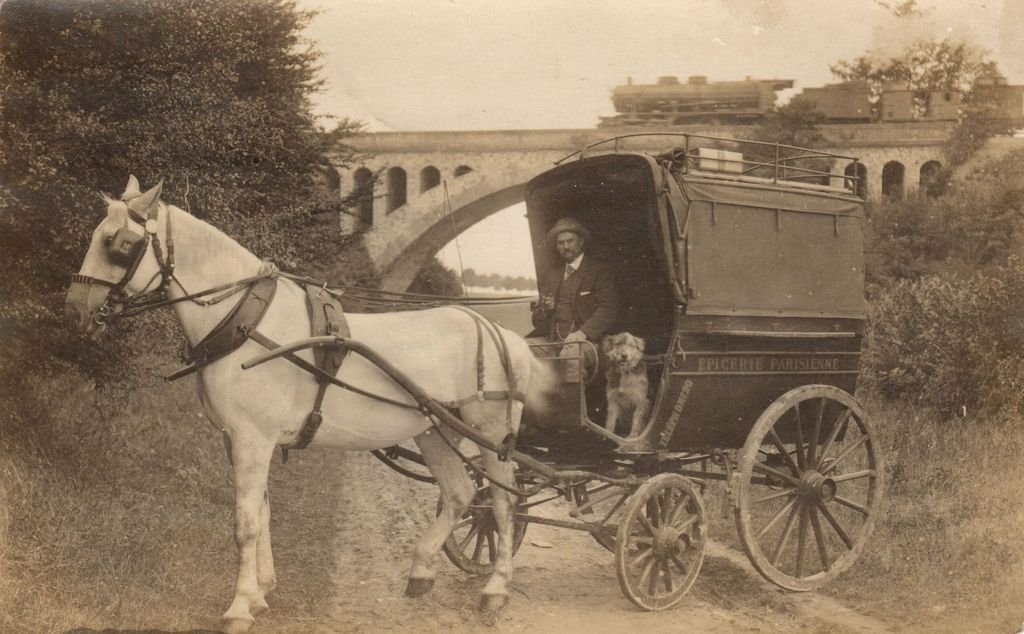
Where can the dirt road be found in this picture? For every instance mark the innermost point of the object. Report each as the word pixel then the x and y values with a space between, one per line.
pixel 563 582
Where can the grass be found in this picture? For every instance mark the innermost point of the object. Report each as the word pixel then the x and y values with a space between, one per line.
pixel 116 512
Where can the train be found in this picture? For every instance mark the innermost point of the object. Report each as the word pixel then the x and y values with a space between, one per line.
pixel 669 102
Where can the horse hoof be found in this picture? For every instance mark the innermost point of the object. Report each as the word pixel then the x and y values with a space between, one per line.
pixel 418 587
pixel 237 626
pixel 259 607
pixel 491 604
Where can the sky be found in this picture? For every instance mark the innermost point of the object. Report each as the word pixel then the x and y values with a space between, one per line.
pixel 542 64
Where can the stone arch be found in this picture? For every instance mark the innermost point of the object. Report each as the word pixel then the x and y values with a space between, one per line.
pixel 438 230
pixel 929 183
pixel 860 172
pixel 893 180
pixel 462 170
pixel 396 188
pixel 362 181
pixel 430 177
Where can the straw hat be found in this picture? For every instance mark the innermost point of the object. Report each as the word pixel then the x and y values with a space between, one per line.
pixel 568 224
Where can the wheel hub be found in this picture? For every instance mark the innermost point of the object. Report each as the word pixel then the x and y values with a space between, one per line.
pixel 818 487
pixel 668 541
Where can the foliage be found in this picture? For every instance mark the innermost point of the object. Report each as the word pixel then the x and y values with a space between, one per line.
pixel 950 342
pixel 946 293
pixel 924 66
pixel 436 279
pixel 213 96
pixel 793 124
pixel 494 280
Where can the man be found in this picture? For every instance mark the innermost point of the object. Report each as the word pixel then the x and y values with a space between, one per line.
pixel 577 297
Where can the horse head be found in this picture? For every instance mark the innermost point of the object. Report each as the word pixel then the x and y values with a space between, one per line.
pixel 121 263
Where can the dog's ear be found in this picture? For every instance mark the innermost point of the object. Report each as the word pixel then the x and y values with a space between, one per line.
pixel 639 343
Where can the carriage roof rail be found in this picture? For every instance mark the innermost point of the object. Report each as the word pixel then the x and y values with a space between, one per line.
pixel 688 135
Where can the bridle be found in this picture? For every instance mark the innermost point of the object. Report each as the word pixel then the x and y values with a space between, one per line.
pixel 127 249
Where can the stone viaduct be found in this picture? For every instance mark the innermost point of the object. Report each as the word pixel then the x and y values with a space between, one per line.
pixel 432 186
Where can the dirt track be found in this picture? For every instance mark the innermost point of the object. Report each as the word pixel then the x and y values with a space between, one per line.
pixel 563 580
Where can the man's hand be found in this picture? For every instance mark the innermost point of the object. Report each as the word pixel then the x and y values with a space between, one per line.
pixel 576 335
pixel 548 302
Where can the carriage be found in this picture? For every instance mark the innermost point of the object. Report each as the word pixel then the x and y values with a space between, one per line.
pixel 739 263
pixel 741 266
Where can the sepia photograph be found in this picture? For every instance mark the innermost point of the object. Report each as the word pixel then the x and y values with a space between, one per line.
pixel 503 316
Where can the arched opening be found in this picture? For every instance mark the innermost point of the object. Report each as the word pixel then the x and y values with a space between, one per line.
pixel 930 178
pixel 857 173
pixel 892 180
pixel 430 177
pixel 363 192
pixel 462 170
pixel 396 182
pixel 333 180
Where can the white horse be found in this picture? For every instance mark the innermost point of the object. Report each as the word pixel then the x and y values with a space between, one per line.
pixel 261 408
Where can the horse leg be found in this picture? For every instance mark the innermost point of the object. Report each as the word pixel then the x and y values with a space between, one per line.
pixel 251 458
pixel 495 593
pixel 456 494
pixel 266 578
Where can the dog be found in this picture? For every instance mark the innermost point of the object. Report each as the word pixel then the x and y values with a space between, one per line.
pixel 626 381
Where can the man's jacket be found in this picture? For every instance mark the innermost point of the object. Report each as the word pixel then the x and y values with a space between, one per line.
pixel 594 304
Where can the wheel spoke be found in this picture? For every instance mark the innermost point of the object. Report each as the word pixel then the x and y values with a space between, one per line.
pixel 645 574
pixel 690 521
pixel 819 538
pixel 764 469
pixel 852 505
pixel 784 538
pixel 474 529
pixel 774 437
pixel 835 525
pixel 817 433
pixel 466 521
pixel 655 573
pixel 856 475
pixel 775 518
pixel 843 455
pixel 479 548
pixel 492 551
pixel 841 422
pixel 667 506
pixel 646 524
pixel 643 556
pixel 800 459
pixel 801 543
pixel 666 571
pixel 654 510
pixel 680 564
pixel 774 496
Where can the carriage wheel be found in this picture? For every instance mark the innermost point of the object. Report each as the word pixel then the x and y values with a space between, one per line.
pixel 601 503
pixel 473 544
pixel 809 484
pixel 660 542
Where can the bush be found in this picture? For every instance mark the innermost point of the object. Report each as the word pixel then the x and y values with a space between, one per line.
pixel 949 342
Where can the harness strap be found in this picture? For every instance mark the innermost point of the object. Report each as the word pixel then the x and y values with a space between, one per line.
pixel 226 336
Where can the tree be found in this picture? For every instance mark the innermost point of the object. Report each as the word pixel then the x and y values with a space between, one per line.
pixel 213 96
pixel 793 124
pixel 925 66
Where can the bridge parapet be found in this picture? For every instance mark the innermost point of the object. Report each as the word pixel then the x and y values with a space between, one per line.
pixel 409 220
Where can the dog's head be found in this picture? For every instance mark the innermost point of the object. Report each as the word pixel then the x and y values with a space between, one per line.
pixel 624 350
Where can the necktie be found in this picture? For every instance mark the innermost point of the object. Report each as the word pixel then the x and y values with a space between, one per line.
pixel 568 271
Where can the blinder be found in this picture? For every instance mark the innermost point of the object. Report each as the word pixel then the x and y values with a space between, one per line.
pixel 125 248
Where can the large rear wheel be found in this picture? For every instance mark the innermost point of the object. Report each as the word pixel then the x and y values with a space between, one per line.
pixel 808 487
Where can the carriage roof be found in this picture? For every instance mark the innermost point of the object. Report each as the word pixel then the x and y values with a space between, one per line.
pixel 730 227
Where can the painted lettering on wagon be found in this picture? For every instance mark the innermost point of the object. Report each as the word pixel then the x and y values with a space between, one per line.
pixel 677 411
pixel 768 364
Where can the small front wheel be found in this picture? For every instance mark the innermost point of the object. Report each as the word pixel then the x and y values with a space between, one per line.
pixel 473 543
pixel 660 543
